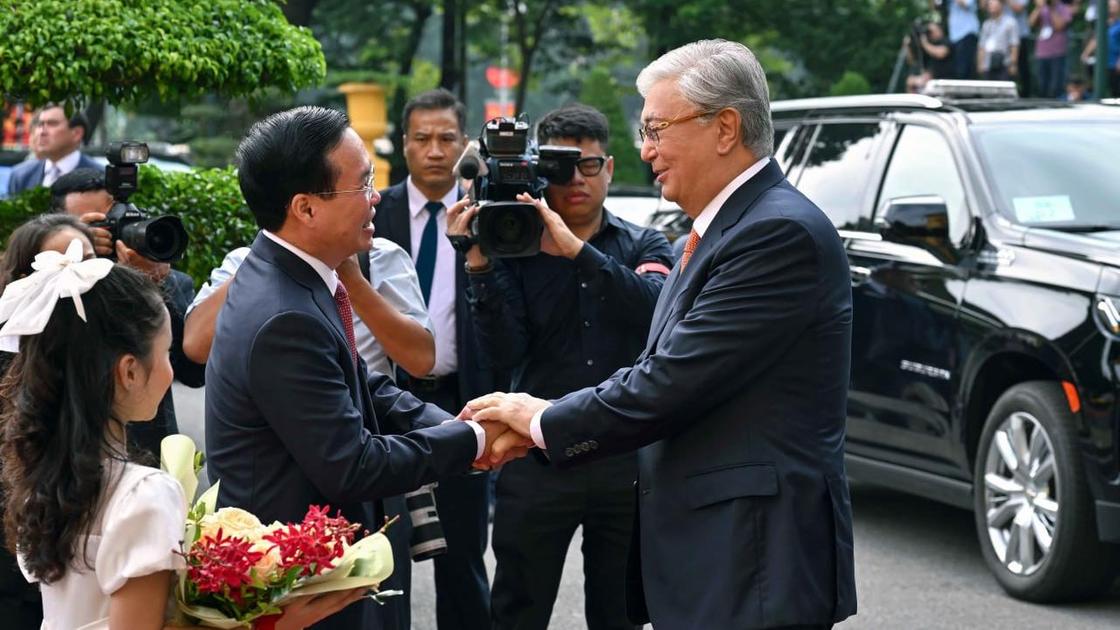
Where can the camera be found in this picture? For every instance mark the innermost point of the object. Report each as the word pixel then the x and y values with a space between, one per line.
pixel 502 164
pixel 162 239
pixel 427 532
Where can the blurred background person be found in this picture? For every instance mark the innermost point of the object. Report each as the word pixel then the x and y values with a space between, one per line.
pixel 964 29
pixel 58 144
pixel 1051 19
pixel 997 56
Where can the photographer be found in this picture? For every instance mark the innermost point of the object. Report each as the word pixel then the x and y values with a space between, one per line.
pixel 82 193
pixel 565 318
pixel 928 50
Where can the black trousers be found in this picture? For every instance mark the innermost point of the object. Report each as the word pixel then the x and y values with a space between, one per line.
pixel 538 510
pixel 462 586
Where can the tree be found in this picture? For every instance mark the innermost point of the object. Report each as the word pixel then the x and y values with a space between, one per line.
pixel 601 91
pixel 123 50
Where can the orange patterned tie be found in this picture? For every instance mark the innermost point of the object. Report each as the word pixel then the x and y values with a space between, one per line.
pixel 689 247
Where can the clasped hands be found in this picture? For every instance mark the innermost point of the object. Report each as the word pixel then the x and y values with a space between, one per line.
pixel 506 419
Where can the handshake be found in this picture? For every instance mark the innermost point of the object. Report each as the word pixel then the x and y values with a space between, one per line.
pixel 506 419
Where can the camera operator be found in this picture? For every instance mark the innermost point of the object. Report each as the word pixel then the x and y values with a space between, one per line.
pixel 928 50
pixel 566 318
pixel 82 193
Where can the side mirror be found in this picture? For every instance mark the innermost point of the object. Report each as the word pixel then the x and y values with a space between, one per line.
pixel 921 221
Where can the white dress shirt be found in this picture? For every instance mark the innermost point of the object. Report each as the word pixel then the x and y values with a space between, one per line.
pixel 53 170
pixel 441 302
pixel 703 220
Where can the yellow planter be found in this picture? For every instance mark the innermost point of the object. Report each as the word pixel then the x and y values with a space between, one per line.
pixel 365 104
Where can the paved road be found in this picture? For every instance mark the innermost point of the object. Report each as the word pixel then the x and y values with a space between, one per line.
pixel 918 566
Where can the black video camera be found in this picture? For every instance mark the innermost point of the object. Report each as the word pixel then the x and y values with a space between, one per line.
pixel 162 239
pixel 503 164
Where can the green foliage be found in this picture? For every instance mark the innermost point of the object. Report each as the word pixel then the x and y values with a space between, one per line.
pixel 850 84
pixel 124 50
pixel 601 91
pixel 209 202
pixel 213 211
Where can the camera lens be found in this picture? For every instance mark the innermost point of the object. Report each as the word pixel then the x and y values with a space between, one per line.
pixel 510 229
pixel 162 239
pixel 427 532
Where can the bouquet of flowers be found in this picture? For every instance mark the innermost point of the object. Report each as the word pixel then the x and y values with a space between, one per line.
pixel 239 569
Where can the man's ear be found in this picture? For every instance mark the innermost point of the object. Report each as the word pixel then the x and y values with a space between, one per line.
pixel 300 208
pixel 730 126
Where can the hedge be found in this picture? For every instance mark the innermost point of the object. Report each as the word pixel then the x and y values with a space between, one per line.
pixel 208 201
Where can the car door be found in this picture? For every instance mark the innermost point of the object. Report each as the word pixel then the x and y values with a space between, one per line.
pixel 906 300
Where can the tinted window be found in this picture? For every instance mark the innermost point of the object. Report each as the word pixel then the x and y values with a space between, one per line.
pixel 1055 174
pixel 837 169
pixel 793 153
pixel 922 164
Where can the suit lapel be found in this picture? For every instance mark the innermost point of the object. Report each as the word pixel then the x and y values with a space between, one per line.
pixel 730 213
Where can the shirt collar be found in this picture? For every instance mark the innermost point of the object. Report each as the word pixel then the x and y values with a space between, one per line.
pixel 66 164
pixel 708 215
pixel 417 200
pixel 330 278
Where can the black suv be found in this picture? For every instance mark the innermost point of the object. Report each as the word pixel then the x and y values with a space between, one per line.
pixel 983 236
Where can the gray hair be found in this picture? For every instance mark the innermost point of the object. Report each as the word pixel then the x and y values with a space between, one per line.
pixel 714 74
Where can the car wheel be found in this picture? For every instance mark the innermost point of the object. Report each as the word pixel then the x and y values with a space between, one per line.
pixel 1034 514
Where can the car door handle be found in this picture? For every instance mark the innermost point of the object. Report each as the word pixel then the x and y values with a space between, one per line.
pixel 860 275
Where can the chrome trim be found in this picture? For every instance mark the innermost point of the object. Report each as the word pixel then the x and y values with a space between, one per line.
pixel 859 236
pixel 882 101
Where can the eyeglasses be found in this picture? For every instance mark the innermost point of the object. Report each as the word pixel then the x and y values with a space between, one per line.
pixel 591 166
pixel 652 131
pixel 367 189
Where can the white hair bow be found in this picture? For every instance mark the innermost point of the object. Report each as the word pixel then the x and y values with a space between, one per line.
pixel 27 303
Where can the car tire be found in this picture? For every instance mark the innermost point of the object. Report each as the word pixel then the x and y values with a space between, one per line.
pixel 1029 485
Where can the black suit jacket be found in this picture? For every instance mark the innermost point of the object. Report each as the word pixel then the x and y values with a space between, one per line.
pixel 477 375
pixel 738 406
pixel 291 421
pixel 30 174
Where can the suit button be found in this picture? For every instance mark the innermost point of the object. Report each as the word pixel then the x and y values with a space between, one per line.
pixel 591 361
pixel 586 324
pixel 583 285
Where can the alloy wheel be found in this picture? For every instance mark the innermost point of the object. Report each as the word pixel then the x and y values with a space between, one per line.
pixel 1021 493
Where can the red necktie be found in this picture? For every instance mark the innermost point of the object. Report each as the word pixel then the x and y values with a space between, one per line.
pixel 346 312
pixel 689 247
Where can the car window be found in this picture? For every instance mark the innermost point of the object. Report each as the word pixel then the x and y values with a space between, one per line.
pixel 837 169
pixel 790 157
pixel 922 164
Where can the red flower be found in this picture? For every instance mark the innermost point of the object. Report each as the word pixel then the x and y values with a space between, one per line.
pixel 315 543
pixel 221 564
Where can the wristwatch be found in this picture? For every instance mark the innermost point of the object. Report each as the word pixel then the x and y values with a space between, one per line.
pixel 488 267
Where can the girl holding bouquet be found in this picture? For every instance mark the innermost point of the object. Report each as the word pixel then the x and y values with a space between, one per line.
pixel 99 533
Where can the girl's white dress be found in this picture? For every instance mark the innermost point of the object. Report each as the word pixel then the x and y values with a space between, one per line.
pixel 137 533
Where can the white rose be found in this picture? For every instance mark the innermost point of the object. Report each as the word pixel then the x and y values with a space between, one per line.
pixel 234 523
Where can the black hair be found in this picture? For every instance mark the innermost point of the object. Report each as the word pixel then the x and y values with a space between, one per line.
pixel 78 180
pixel 574 122
pixel 27 240
pixel 284 155
pixel 438 98
pixel 57 405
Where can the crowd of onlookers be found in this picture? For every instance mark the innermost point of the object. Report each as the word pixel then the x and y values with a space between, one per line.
pixel 1048 47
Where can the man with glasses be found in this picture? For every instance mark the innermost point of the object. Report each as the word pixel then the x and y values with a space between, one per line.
pixel 561 320
pixel 413 214
pixel 293 419
pixel 739 399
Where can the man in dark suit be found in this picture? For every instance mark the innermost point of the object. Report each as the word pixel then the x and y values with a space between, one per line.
pixel 413 214
pixel 738 401
pixel 292 419
pixel 59 142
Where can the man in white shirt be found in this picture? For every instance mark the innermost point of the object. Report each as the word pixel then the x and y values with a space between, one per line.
pixel 58 141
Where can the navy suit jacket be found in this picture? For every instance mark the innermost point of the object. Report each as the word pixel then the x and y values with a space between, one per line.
pixel 477 376
pixel 30 174
pixel 738 406
pixel 291 421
